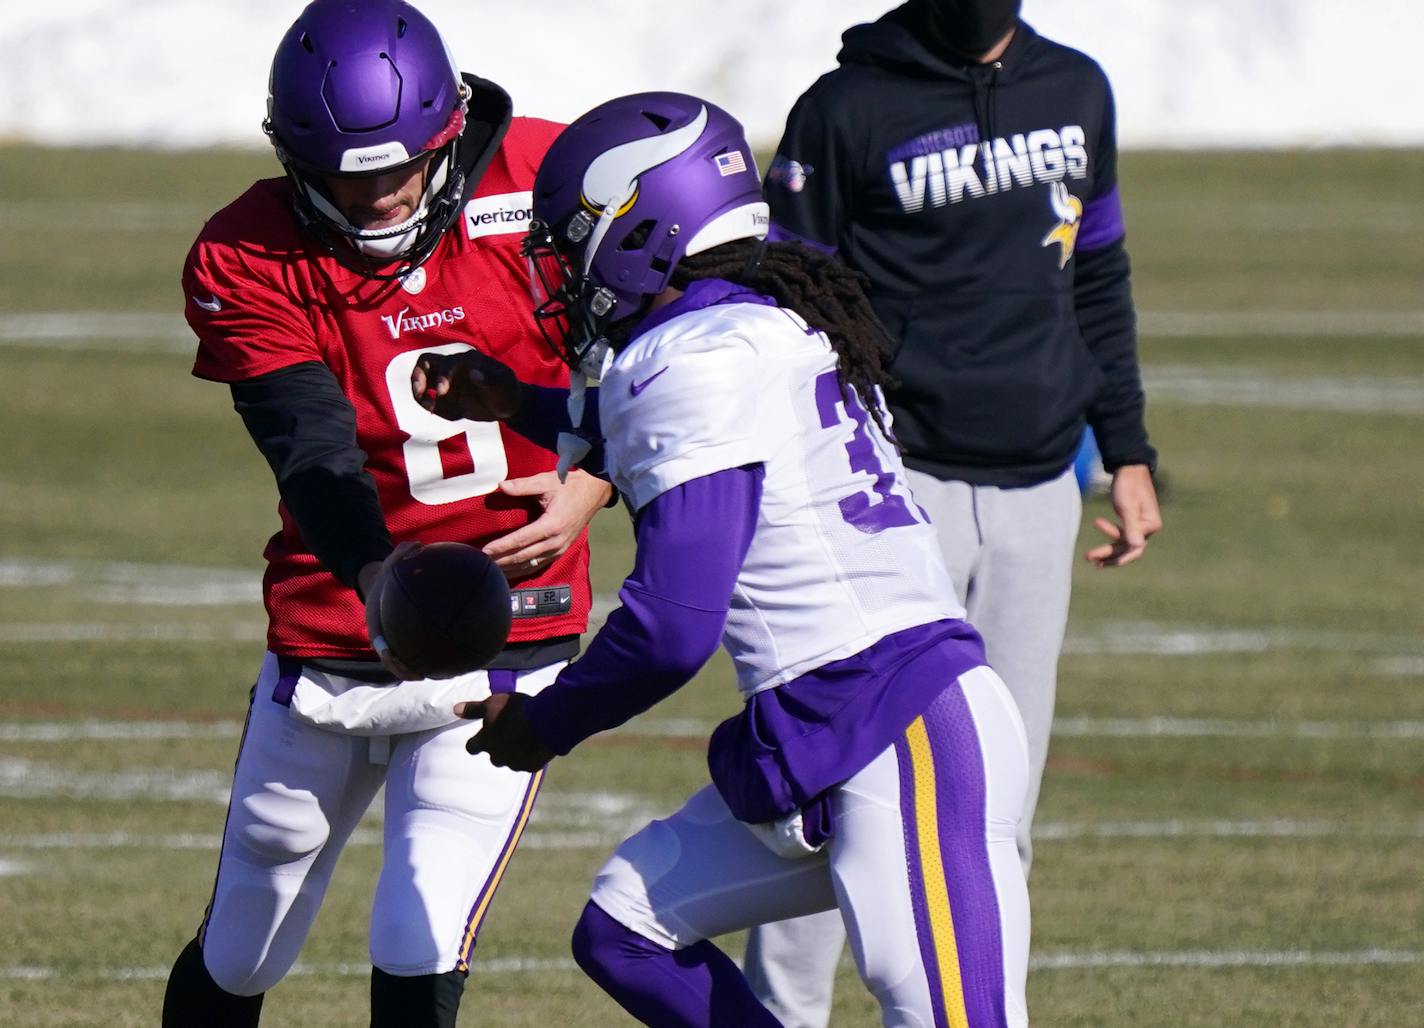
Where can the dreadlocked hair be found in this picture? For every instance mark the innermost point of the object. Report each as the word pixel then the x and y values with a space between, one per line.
pixel 831 298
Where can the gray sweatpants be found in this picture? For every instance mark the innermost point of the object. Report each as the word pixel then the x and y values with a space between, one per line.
pixel 1010 554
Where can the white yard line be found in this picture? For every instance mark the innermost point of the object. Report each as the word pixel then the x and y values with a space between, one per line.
pixel 1052 961
pixel 1278 828
pixel 693 728
pixel 98 331
pixel 129 583
pixel 28 779
pixel 115 731
pixel 1284 216
pixel 162 332
pixel 1226 958
pixel 1153 638
pixel 561 820
pixel 1198 386
pixel 108 842
pixel 100 216
pixel 1225 728
pixel 1404 667
pixel 547 833
pixel 1291 324
pixel 102 632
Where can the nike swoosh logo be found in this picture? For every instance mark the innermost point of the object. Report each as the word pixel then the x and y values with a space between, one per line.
pixel 637 387
pixel 211 306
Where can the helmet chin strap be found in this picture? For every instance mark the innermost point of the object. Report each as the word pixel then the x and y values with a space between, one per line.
pixel 605 222
pixel 573 446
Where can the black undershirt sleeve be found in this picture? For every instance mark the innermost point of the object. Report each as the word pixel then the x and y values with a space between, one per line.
pixel 306 428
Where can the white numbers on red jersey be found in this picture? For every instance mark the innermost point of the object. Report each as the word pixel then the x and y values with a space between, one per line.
pixel 429 435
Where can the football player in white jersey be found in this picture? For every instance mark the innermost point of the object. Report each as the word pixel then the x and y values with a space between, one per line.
pixel 878 765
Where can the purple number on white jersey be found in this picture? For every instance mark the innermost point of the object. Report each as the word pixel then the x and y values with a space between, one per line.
pixel 889 510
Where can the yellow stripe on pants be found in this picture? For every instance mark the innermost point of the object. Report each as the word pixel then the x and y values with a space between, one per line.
pixel 932 874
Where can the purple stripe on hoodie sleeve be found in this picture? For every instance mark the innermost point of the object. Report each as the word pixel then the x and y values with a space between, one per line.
pixel 1102 222
pixel 691 543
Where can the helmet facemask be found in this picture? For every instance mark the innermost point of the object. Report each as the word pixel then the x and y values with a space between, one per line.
pixel 406 245
pixel 574 313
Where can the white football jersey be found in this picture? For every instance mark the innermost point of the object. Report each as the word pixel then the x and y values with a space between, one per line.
pixel 842 556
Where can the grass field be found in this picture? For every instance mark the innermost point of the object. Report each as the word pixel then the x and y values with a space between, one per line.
pixel 1232 827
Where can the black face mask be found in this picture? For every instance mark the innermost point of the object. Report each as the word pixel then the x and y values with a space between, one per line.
pixel 969 27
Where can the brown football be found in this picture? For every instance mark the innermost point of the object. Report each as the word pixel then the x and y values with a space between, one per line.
pixel 445 610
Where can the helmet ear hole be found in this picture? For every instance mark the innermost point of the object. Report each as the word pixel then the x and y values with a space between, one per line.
pixel 638 238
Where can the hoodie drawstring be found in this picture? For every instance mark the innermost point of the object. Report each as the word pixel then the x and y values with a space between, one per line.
pixel 986 108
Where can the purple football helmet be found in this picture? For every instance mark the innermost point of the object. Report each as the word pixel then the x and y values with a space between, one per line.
pixel 367 87
pixel 625 193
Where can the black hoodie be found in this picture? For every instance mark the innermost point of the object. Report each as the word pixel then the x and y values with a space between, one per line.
pixel 1001 276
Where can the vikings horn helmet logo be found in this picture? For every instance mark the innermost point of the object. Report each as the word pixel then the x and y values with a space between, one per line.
pixel 610 184
pixel 1069 211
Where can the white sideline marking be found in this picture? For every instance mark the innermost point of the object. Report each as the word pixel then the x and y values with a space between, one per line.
pixel 115 731
pixel 534 838
pixel 611 833
pixel 1288 216
pixel 1225 958
pixel 1150 638
pixel 1221 728
pixel 127 583
pixel 1065 961
pixel 1282 324
pixel 1127 639
pixel 24 973
pixel 27 779
pixel 561 820
pixel 136 584
pixel 102 331
pixel 1193 385
pixel 76 632
pixel 11 868
pixel 100 216
pixel 1293 216
pixel 691 728
pixel 1406 667
pixel 158 332
pixel 1279 828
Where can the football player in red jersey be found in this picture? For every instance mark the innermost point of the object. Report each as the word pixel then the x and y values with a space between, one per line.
pixel 396 231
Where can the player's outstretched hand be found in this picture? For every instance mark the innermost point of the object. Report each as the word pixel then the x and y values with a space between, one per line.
pixel 1134 498
pixel 567 508
pixel 466 385
pixel 372 579
pixel 506 735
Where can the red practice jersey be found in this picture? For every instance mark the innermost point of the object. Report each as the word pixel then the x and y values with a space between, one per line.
pixel 261 297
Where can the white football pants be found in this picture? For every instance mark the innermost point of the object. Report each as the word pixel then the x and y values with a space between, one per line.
pixel 452 821
pixel 921 866
pixel 1010 555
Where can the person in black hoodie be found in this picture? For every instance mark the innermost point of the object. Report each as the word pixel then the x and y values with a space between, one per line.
pixel 967 166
